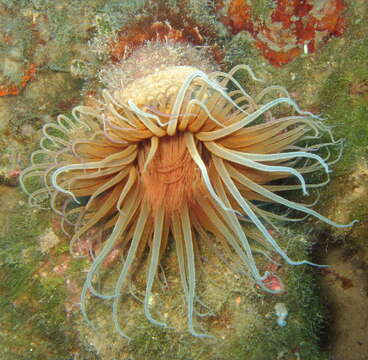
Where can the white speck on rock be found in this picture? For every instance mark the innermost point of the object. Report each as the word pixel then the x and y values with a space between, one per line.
pixel 281 313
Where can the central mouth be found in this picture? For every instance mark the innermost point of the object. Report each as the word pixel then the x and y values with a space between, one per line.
pixel 170 177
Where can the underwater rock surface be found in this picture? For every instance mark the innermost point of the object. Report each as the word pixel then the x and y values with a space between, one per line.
pixel 40 282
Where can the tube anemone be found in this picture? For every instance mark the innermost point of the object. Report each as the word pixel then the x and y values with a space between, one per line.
pixel 177 156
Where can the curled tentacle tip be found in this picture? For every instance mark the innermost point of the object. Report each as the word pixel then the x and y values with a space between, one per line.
pixel 352 223
pixel 206 336
pixel 316 265
pixel 164 325
pixel 264 277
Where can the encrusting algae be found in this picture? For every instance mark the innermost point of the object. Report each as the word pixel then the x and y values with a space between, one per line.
pixel 176 151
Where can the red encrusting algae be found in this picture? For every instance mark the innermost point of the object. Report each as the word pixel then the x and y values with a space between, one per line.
pixel 16 89
pixel 134 37
pixel 293 26
pixel 172 24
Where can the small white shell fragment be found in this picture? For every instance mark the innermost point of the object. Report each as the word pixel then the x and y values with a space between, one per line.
pixel 282 314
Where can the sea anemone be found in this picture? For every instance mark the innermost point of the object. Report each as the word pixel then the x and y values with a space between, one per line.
pixel 179 155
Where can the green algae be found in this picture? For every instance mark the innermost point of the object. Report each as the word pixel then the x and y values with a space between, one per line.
pixel 31 308
pixel 120 13
pixel 34 321
pixel 156 343
pixel 261 9
pixel 300 338
pixel 348 110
